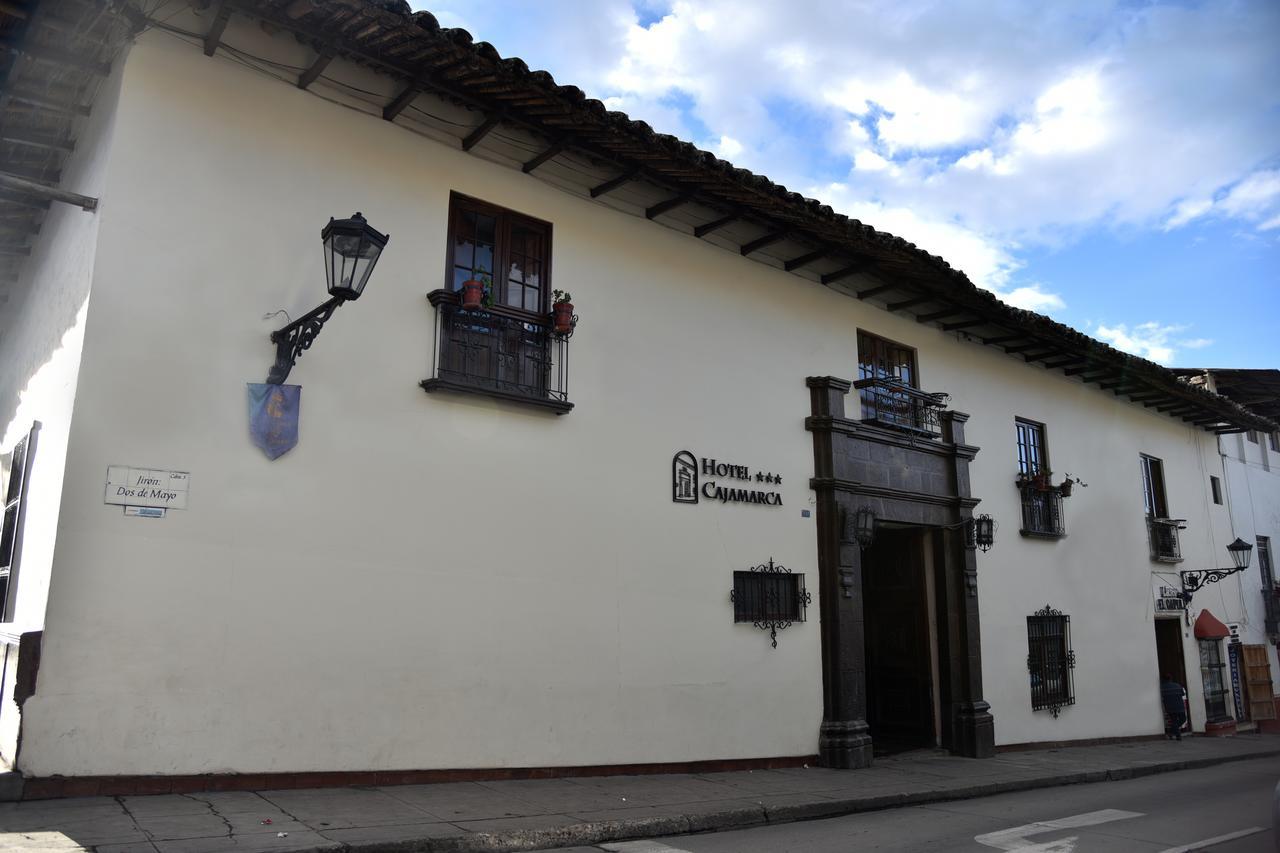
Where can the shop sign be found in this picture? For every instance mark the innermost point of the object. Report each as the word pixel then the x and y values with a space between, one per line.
pixel 146 487
pixel 695 479
pixel 1169 599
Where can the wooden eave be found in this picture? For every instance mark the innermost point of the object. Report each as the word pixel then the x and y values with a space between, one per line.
pixel 54 54
pixel 686 188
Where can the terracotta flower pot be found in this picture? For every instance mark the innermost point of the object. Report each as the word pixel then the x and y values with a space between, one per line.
pixel 472 294
pixel 1066 487
pixel 562 317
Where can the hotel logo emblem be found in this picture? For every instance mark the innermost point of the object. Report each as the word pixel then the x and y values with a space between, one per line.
pixel 684 478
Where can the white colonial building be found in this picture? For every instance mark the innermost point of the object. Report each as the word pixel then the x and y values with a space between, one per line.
pixel 498 547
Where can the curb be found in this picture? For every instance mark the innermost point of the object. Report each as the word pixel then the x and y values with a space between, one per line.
pixel 601 832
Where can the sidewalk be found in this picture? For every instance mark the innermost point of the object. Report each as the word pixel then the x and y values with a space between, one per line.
pixel 529 815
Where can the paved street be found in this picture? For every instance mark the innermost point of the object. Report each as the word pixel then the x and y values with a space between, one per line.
pixel 1226 809
pixel 1155 795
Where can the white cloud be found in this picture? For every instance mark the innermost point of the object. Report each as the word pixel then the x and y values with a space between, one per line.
pixel 1255 198
pixel 1151 340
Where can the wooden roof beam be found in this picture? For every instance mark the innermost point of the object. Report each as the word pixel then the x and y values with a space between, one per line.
pixel 24 199
pixel 962 324
pixel 46 103
pixel 1148 395
pixel 46 191
pixel 406 96
pixel 555 149
pixel 614 183
pixel 714 225
pixel 761 242
pixel 1063 362
pixel 908 303
pixel 876 291
pixel 805 259
pixel 217 28
pixel 316 68
pixel 56 56
pixel 20 136
pixel 1022 347
pixel 938 315
pixel 846 272
pixel 669 204
pixel 491 121
pixel 1003 339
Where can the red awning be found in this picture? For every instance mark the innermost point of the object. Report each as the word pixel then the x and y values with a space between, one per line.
pixel 1209 628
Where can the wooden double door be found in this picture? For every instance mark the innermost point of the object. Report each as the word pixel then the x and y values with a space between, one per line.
pixel 899 644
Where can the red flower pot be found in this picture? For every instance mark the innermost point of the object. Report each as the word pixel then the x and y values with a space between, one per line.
pixel 472 294
pixel 562 317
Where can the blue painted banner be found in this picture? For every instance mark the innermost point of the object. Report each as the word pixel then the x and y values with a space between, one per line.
pixel 273 417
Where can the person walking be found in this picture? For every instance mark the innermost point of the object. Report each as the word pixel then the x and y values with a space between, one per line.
pixel 1173 697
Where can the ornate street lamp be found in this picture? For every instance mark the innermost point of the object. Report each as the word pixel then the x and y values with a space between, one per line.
pixel 1240 552
pixel 351 250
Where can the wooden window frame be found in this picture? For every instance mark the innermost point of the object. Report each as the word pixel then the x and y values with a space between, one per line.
pixel 1032 428
pixel 12 522
pixel 1155 500
pixel 458 203
pixel 883 344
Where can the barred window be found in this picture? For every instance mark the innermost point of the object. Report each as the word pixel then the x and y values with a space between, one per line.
pixel 770 597
pixel 15 469
pixel 1050 660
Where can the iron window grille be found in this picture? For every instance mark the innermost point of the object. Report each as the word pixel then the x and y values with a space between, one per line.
pixel 1041 511
pixel 1271 609
pixel 893 403
pixel 1162 535
pixel 1214 679
pixel 497 353
pixel 1050 660
pixel 770 597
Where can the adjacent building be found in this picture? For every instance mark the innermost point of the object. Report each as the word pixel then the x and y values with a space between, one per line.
pixel 786 487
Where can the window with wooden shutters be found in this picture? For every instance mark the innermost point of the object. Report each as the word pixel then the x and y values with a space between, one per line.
pixel 1162 531
pixel 14 473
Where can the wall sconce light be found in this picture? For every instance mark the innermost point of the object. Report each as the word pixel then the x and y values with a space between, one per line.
pixel 351 250
pixel 864 526
pixel 1241 552
pixel 983 530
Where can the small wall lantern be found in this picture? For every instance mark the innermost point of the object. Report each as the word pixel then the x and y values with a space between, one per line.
pixel 864 526
pixel 1241 552
pixel 351 250
pixel 984 532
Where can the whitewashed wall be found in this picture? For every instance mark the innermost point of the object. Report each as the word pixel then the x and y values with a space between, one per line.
pixel 1252 492
pixel 429 581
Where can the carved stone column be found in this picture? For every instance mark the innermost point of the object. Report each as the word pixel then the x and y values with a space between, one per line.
pixel 844 740
pixel 974 728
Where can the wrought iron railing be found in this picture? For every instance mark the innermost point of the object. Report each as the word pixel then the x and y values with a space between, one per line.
pixel 1271 613
pixel 1162 534
pixel 1041 510
pixel 893 403
pixel 499 353
pixel 1050 660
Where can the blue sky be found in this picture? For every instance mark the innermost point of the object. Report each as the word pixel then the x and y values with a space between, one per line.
pixel 1114 164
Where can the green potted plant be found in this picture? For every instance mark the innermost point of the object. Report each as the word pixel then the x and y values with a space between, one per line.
pixel 475 290
pixel 562 319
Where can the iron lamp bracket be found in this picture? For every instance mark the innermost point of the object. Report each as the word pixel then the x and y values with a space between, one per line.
pixel 293 339
pixel 1199 578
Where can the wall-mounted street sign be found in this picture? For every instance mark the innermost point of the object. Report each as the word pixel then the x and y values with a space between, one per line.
pixel 146 487
pixel 694 479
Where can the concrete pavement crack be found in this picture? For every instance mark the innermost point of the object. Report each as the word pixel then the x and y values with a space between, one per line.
pixel 214 812
pixel 124 808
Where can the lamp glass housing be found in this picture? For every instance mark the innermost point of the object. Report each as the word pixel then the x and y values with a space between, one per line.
pixel 1240 552
pixel 351 249
pixel 864 526
pixel 984 532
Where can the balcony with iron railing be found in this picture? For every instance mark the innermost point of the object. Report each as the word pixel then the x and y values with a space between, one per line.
pixel 1162 535
pixel 1041 509
pixel 895 404
pixel 498 352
